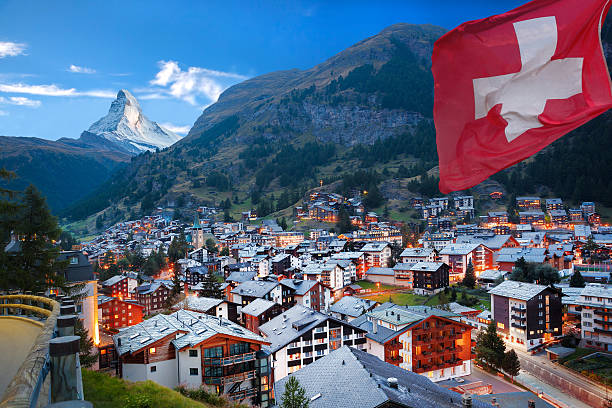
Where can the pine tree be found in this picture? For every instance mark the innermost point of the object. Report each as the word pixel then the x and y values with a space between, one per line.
pixel 469 281
pixel 294 395
pixel 85 345
pixel 577 281
pixel 511 364
pixel 178 248
pixel 35 267
pixel 490 347
pixel 211 288
pixel 344 222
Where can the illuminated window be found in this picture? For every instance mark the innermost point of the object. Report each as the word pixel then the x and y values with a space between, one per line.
pixel 501 326
pixel 152 350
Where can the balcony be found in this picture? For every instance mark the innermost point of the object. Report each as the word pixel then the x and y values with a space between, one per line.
pixel 230 379
pixel 602 312
pixel 518 326
pixel 604 331
pixel 243 394
pixel 227 361
pixel 516 317
pixel 603 322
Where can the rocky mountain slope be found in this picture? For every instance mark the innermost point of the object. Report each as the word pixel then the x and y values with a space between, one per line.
pixel 68 169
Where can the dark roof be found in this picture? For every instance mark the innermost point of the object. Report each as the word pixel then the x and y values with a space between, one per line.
pixel 81 271
pixel 514 399
pixel 349 378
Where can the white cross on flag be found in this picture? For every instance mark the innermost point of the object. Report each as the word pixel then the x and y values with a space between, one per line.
pixel 509 85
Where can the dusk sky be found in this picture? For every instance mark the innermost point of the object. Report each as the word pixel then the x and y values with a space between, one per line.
pixel 62 62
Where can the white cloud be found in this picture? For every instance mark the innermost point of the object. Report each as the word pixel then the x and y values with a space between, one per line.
pixel 53 90
pixel 20 101
pixel 81 70
pixel 179 130
pixel 193 83
pixel 11 49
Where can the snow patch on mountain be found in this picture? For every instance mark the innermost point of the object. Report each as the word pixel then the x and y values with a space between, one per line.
pixel 127 128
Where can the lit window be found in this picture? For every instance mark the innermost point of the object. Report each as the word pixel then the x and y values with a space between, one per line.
pixel 152 350
pixel 501 326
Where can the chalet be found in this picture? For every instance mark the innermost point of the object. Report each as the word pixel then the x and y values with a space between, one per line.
pixel 280 263
pixel 437 240
pixel 497 217
pixel 153 295
pixel 415 255
pixel 420 339
pixel 357 258
pixel 529 203
pixel 459 256
pixel 508 256
pixel 301 335
pixel 309 293
pixel 349 308
pixel 248 291
pixel 377 254
pixel 430 277
pixel 554 204
pixel 115 313
pixel 561 256
pixel 195 274
pixel 259 312
pixel 195 349
pixel 527 315
pixel 575 215
pixel 489 278
pixel 532 217
pixel 558 217
pixel 403 274
pixel 119 286
pixel 210 306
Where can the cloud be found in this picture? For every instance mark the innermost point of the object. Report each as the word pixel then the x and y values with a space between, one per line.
pixel 11 49
pixel 81 70
pixel 20 101
pixel 53 90
pixel 193 83
pixel 3 113
pixel 180 130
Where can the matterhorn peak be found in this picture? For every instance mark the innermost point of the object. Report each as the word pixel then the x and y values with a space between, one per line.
pixel 127 128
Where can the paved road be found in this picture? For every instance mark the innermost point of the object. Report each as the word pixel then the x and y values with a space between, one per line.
pixel 562 378
pixel 16 339
pixel 558 396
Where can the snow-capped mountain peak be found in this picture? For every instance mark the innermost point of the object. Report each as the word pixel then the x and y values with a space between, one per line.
pixel 126 127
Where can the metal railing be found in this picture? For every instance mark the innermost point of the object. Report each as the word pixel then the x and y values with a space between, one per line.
pixel 25 387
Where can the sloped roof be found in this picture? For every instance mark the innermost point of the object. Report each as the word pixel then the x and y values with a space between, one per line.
pixel 197 303
pixel 288 326
pixel 352 306
pixel 257 307
pixel 255 288
pixel 352 378
pixel 190 328
pixel 517 290
pixel 300 286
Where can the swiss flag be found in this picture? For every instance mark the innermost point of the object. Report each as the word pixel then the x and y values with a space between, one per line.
pixel 509 85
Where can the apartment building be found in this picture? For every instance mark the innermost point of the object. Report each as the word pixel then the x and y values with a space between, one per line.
pixel 301 335
pixel 527 315
pixel 595 301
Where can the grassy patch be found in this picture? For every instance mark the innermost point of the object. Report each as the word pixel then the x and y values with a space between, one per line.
pixel 372 285
pixel 579 353
pixel 104 391
pixel 401 299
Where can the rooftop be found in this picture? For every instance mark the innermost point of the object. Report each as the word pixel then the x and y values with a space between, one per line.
pixel 517 290
pixel 352 306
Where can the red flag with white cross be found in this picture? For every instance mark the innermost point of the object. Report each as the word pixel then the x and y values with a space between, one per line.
pixel 509 85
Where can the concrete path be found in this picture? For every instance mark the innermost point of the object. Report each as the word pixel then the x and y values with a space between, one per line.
pixel 557 396
pixel 16 339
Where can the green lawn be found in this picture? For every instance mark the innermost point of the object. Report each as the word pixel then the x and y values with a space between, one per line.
pixel 371 285
pixel 104 391
pixel 401 299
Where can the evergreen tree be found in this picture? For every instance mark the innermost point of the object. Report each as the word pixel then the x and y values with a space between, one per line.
pixel 453 296
pixel 34 267
pixel 226 215
pixel 224 251
pixel 577 281
pixel 211 288
pixel 294 395
pixel 469 281
pixel 490 347
pixel 443 301
pixel 511 364
pixel 344 222
pixel 178 248
pixel 85 345
pixel 211 246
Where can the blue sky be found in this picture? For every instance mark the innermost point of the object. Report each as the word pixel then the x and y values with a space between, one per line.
pixel 62 62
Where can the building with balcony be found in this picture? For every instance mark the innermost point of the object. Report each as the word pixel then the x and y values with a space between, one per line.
pixel 554 204
pixel 195 349
pixel 119 286
pixel 497 217
pixel 527 315
pixel 153 295
pixel 595 303
pixel 301 335
pixel 414 255
pixel 421 339
pixel 529 203
pixel 350 307
pixel 430 277
pixel 532 217
pixel 459 256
